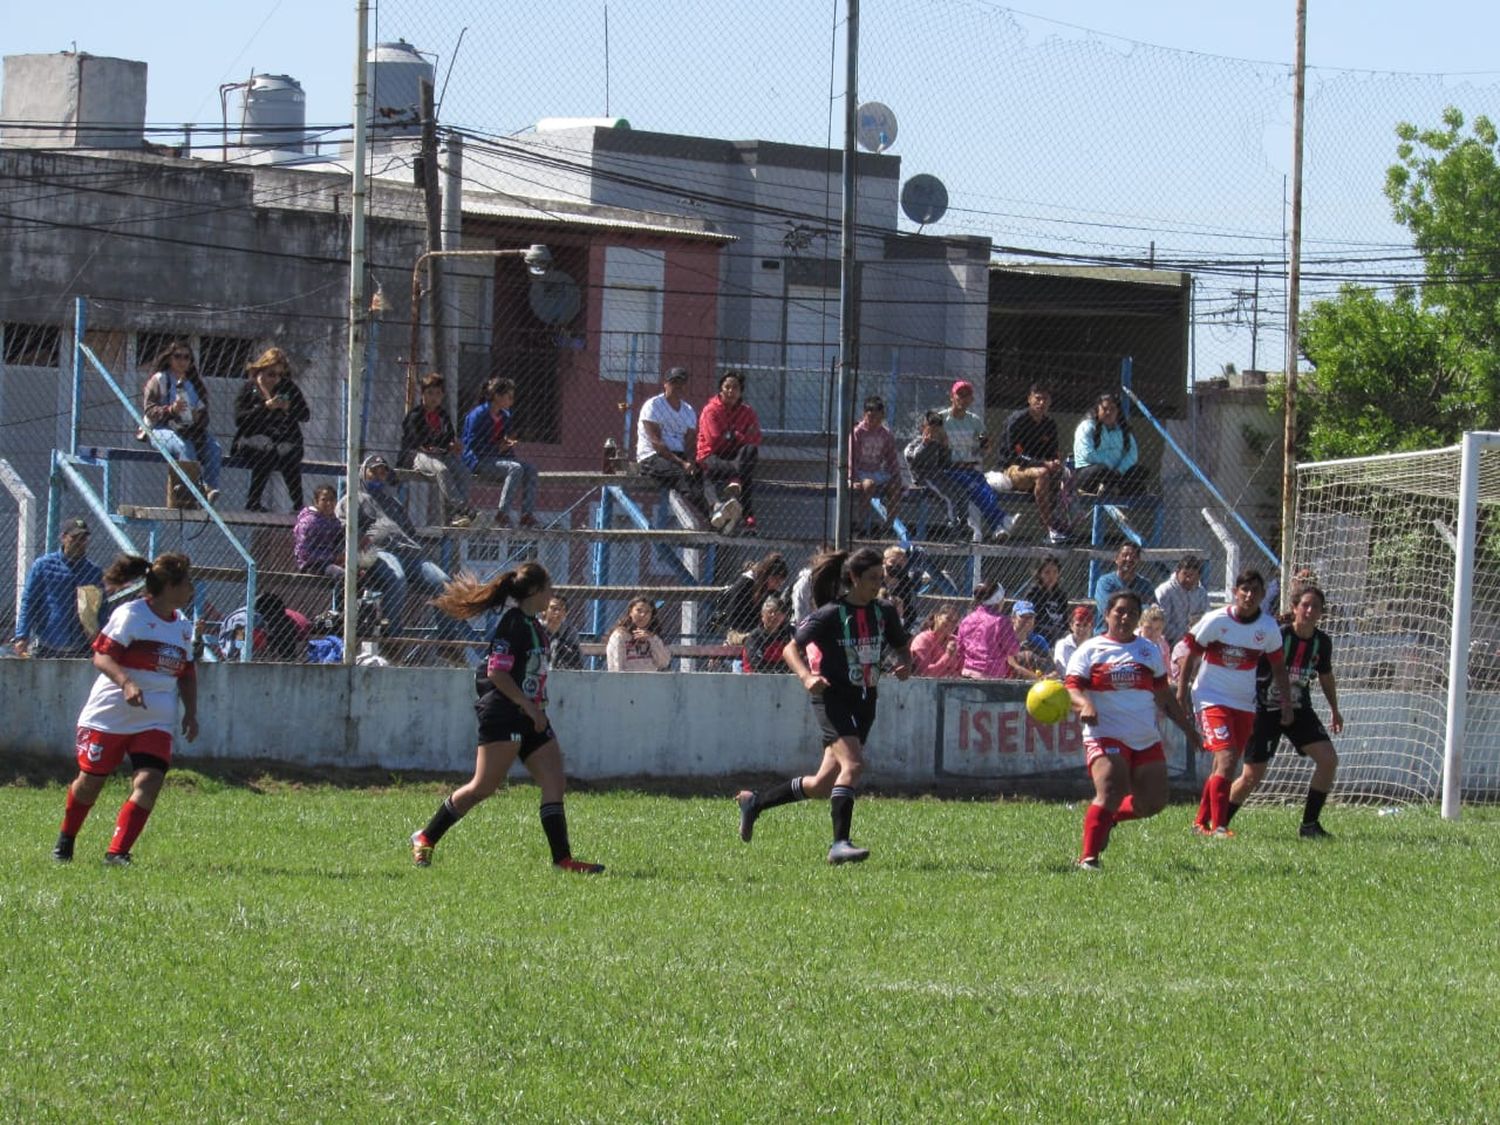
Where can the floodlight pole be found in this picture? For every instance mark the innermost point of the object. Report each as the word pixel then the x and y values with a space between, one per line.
pixel 843 407
pixel 538 262
pixel 356 353
pixel 1293 301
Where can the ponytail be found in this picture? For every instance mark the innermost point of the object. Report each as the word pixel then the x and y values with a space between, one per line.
pixel 171 569
pixel 465 596
pixel 831 570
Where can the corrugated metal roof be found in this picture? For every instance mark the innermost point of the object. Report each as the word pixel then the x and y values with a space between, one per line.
pixel 604 218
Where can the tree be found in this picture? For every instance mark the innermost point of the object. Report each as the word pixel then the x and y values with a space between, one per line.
pixel 1416 369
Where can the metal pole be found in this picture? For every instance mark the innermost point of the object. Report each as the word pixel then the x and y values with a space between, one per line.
pixel 843 408
pixel 1294 278
pixel 356 356
pixel 1463 604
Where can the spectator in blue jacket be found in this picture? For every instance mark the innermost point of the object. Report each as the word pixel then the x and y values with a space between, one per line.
pixel 1105 454
pixel 489 451
pixel 1123 577
pixel 49 625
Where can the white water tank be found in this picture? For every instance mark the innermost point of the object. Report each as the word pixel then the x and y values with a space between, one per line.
pixel 273 114
pixel 394 73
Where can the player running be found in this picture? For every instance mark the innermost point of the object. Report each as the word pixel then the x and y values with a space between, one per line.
pixel 1224 648
pixel 144 656
pixel 1308 654
pixel 1116 681
pixel 512 689
pixel 852 633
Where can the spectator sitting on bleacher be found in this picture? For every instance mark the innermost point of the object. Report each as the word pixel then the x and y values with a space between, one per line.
pixel 966 444
pixel 634 644
pixel 737 608
pixel 280 633
pixel 1034 660
pixel 1182 597
pixel 1105 453
pixel 902 573
pixel 489 451
pixel 1032 461
pixel 666 442
pixel 430 447
pixel 763 645
pixel 729 445
pixel 562 641
pixel 387 529
pixel 318 536
pixel 986 638
pixel 1080 629
pixel 1051 600
pixel 928 457
pixel 876 470
pixel 268 416
pixel 1123 577
pixel 175 406
pixel 934 651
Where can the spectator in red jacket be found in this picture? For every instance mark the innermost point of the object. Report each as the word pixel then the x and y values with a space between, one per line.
pixel 729 444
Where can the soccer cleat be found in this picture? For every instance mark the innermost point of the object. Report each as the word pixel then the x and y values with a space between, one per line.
pixel 62 851
pixel 1221 833
pixel 1314 831
pixel 845 852
pixel 116 859
pixel 421 850
pixel 1090 863
pixel 1201 829
pixel 578 866
pixel 748 813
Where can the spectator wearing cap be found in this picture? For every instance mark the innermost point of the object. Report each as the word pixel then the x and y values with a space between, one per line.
pixel 986 638
pixel 489 451
pixel 49 625
pixel 429 446
pixel 666 444
pixel 1080 629
pixel 1034 660
pixel 967 442
pixel 387 529
pixel 876 470
pixel 1031 461
pixel 728 447
pixel 1182 598
pixel 1045 591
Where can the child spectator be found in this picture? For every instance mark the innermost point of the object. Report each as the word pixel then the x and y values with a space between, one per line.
pixel 429 446
pixel 934 651
pixel 634 645
pixel 318 536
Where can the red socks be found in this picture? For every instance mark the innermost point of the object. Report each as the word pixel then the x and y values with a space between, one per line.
pixel 1126 811
pixel 1218 800
pixel 128 826
pixel 1204 819
pixel 1097 822
pixel 74 814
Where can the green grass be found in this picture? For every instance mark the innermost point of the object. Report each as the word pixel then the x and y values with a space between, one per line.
pixel 273 956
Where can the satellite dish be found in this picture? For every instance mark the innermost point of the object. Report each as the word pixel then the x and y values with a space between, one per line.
pixel 924 199
pixel 555 299
pixel 876 126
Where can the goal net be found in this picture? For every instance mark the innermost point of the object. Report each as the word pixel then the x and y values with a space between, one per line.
pixel 1381 536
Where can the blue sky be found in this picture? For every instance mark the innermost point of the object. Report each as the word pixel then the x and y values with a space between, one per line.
pixel 1110 130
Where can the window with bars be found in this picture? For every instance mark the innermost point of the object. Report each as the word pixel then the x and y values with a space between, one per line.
pixel 225 357
pixel 32 345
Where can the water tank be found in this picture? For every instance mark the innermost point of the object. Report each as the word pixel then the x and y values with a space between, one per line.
pixel 273 113
pixel 395 72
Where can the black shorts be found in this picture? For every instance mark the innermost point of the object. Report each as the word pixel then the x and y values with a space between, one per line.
pixel 500 720
pixel 844 715
pixel 1306 729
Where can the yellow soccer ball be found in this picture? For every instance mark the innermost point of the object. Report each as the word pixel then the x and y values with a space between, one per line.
pixel 1048 701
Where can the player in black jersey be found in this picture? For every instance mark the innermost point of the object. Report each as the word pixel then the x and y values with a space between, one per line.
pixel 852 631
pixel 1308 654
pixel 512 689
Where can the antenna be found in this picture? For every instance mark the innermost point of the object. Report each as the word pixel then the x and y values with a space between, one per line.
pixel 453 58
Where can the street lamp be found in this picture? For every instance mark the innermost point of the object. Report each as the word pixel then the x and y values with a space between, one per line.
pixel 538 263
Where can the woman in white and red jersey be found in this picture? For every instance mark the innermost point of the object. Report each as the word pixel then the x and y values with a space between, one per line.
pixel 1224 648
pixel 145 659
pixel 1116 681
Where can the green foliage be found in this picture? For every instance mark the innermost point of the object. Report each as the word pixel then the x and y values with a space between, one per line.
pixel 274 956
pixel 1417 369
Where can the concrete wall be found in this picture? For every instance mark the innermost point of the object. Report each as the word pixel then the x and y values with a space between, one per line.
pixel 94 101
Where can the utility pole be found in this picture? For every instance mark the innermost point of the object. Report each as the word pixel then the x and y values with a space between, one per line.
pixel 353 410
pixel 432 199
pixel 1294 278
pixel 843 406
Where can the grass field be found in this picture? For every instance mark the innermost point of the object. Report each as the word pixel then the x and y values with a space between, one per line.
pixel 274 956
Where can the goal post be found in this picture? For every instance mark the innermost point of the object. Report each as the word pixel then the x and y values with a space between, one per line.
pixel 1406 548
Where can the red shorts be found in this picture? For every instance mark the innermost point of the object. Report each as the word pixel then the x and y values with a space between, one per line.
pixel 1225 728
pixel 101 753
pixel 1096 748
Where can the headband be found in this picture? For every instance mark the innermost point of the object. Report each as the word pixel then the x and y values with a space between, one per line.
pixel 997 597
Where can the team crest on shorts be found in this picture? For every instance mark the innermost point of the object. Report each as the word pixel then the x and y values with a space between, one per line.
pixel 89 748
